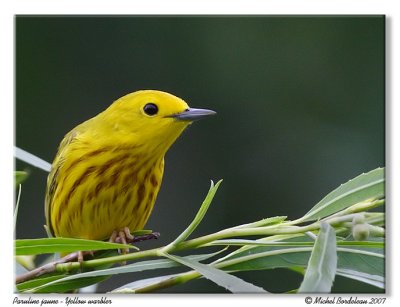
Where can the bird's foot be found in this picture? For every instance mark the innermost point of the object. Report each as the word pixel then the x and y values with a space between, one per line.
pixel 124 237
pixel 128 238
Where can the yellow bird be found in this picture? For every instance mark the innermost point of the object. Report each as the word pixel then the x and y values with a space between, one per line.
pixel 108 170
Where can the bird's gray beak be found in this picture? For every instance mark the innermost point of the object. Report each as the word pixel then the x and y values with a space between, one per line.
pixel 192 114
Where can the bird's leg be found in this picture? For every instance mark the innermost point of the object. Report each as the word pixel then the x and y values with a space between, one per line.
pixel 128 234
pixel 122 236
pixel 113 237
pixel 80 258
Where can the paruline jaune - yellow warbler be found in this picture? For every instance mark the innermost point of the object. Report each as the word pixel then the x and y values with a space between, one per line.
pixel 108 170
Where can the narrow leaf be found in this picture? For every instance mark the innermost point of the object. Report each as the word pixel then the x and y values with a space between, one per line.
pixel 269 257
pixel 366 186
pixel 65 286
pixel 264 222
pixel 373 280
pixel 30 284
pixel 20 176
pixel 17 207
pixel 364 256
pixel 130 268
pixel 322 265
pixel 28 261
pixel 221 278
pixel 139 284
pixel 31 159
pixel 198 218
pixel 367 260
pixel 361 259
pixel 380 245
pixel 60 245
pixel 243 242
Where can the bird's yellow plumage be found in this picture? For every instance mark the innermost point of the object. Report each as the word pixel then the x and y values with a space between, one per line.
pixel 108 170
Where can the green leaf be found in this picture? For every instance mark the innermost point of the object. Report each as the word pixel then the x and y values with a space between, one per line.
pixel 198 218
pixel 221 278
pixel 366 186
pixel 268 257
pixel 20 177
pixel 132 287
pixel 264 222
pixel 28 261
pixel 130 268
pixel 379 245
pixel 49 284
pixel 366 260
pixel 244 242
pixel 321 269
pixel 61 245
pixel 30 284
pixel 364 257
pixel 373 280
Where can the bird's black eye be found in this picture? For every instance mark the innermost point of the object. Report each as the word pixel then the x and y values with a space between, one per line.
pixel 150 109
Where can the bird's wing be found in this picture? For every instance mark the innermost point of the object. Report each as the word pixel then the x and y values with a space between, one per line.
pixel 52 179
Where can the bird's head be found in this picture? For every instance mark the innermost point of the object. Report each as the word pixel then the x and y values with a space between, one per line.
pixel 151 117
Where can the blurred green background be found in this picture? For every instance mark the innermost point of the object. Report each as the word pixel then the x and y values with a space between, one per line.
pixel 300 102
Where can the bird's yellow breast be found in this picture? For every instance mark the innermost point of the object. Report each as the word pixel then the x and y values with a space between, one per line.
pixel 102 190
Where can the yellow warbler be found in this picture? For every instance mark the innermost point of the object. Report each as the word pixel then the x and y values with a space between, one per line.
pixel 108 170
